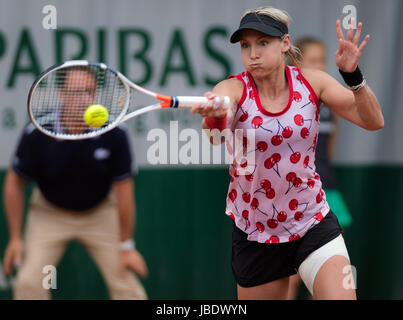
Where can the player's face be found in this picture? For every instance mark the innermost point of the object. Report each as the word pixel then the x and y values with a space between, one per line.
pixel 314 57
pixel 262 54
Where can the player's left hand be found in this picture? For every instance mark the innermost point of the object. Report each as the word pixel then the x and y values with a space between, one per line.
pixel 348 54
pixel 132 259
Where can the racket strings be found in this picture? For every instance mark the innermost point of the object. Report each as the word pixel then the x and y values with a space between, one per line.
pixel 59 101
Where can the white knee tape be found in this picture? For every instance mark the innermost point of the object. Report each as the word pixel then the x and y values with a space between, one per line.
pixel 311 265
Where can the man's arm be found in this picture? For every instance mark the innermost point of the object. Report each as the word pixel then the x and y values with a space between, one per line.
pixel 14 193
pixel 124 191
pixel 130 258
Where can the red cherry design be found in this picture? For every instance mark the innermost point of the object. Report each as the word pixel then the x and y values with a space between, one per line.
pixel 245 214
pixel 297 182
pixel 231 215
pixel 273 239
pixel 246 197
pixel 295 157
pixel 245 143
pixel 299 78
pixel 282 216
pixel 244 164
pixel 319 198
pixel 254 204
pixel 262 146
pixel 233 195
pixel 272 161
pixel 317 177
pixel 304 132
pixel 293 205
pixel 244 116
pixel 272 223
pixel 318 216
pixel 311 183
pixel 260 227
pixel 257 122
pixel 276 140
pixel 287 132
pixel 294 237
pixel 251 95
pixel 249 177
pixel 268 163
pixel 298 216
pixel 297 96
pixel 291 176
pixel 299 120
pixel 270 193
pixel 276 157
pixel 306 161
pixel 265 184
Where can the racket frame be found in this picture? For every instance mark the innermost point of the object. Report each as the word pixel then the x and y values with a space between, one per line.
pixel 165 101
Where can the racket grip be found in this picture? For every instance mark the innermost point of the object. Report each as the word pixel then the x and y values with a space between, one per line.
pixel 190 101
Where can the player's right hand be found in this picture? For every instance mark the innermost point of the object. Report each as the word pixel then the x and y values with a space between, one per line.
pixel 13 255
pixel 214 107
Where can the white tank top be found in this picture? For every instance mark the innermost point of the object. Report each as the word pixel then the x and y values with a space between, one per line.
pixel 282 198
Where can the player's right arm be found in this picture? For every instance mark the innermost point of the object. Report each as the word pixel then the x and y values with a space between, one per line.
pixel 233 88
pixel 14 193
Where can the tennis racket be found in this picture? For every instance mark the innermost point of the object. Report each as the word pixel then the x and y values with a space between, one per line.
pixel 59 97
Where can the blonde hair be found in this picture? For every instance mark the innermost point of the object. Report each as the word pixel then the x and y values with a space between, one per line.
pixel 294 53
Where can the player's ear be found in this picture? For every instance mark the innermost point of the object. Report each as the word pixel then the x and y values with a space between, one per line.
pixel 285 43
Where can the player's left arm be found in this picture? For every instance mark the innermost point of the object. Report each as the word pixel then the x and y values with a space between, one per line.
pixel 359 107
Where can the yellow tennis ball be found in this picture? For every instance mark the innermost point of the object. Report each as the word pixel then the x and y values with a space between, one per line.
pixel 96 115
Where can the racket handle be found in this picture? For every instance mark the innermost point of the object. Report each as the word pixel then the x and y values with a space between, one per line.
pixel 190 101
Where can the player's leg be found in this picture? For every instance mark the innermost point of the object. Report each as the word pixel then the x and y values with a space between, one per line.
pixel 327 272
pixel 275 290
pixel 45 242
pixel 100 234
pixel 293 288
pixel 330 281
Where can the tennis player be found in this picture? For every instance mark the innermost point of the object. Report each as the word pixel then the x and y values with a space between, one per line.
pixel 282 221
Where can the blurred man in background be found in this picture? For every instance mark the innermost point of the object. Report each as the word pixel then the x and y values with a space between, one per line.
pixel 84 191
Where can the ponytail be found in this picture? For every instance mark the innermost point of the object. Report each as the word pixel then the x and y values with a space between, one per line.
pixel 294 56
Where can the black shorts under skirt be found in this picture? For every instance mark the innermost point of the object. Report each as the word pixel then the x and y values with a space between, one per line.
pixel 255 263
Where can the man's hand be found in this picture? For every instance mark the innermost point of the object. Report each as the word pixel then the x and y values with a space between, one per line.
pixel 132 259
pixel 13 255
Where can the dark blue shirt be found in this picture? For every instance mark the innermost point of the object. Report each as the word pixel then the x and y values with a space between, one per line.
pixel 75 175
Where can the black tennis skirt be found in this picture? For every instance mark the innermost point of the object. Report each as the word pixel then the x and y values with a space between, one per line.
pixel 255 263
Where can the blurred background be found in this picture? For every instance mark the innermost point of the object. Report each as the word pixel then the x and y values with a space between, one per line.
pixel 181 47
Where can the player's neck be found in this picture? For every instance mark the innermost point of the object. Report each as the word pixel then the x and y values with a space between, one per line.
pixel 272 85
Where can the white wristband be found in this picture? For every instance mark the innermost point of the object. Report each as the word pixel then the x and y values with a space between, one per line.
pixel 127 245
pixel 358 87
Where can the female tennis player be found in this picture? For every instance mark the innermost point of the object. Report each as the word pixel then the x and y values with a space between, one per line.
pixel 282 221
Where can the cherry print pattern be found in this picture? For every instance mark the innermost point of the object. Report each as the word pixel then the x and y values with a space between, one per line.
pixel 282 197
